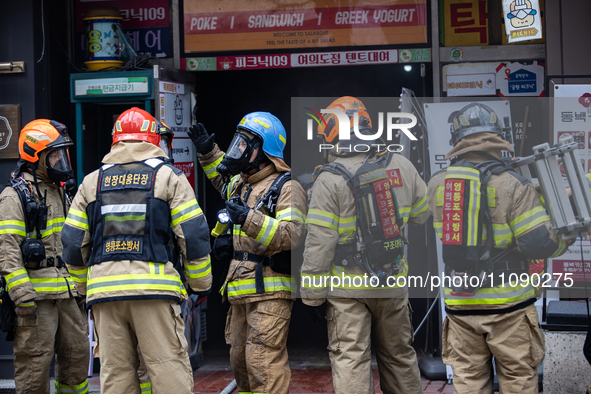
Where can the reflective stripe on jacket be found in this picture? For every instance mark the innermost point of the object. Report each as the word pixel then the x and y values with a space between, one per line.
pixel 519 221
pixel 261 233
pixel 332 221
pixel 135 279
pixel 28 284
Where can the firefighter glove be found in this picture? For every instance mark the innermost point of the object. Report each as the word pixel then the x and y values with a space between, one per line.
pixel 26 309
pixel 201 139
pixel 237 210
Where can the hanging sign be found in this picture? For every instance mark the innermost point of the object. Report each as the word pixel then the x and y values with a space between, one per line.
pixel 522 20
pixel 228 25
pixel 10 127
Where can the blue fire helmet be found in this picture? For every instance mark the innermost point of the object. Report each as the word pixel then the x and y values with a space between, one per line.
pixel 269 128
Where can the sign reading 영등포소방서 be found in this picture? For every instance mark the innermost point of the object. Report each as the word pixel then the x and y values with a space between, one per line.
pixel 227 25
pixel 10 119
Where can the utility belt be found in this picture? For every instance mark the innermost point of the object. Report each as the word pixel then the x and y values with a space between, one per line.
pixel 49 262
pixel 346 255
pixel 279 262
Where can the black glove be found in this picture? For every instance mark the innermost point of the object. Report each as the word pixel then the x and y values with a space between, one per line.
pixel 201 139
pixel 316 312
pixel 237 210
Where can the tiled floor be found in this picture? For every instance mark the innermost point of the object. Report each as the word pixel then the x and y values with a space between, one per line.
pixel 302 382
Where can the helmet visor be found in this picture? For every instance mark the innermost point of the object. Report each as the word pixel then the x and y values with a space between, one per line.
pixel 59 159
pixel 239 147
pixel 166 145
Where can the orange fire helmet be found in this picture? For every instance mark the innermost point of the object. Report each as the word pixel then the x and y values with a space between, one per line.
pixel 329 128
pixel 41 134
pixel 136 124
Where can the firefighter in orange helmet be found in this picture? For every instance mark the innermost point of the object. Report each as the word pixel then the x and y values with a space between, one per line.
pixel 358 316
pixel 116 243
pixel 32 213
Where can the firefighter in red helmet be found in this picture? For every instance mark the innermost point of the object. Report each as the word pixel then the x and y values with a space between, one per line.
pixel 116 243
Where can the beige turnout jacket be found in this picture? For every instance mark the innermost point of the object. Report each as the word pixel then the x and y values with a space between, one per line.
pixel 261 234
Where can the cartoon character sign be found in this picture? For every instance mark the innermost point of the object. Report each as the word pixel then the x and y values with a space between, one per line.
pixel 178 110
pixel 522 14
pixel 523 20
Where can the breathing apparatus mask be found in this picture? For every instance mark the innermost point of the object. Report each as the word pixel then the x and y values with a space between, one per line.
pixel 59 168
pixel 238 155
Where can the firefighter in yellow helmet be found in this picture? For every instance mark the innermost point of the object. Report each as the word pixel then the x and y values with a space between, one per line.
pixel 32 213
pixel 267 211
pixel 358 316
pixel 116 245
pixel 498 318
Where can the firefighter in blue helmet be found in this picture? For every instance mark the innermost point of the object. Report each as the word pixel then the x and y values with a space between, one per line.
pixel 266 210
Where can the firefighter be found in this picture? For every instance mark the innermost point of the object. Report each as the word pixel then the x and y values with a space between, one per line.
pixel 116 240
pixel 498 318
pixel 357 313
pixel 49 319
pixel 259 283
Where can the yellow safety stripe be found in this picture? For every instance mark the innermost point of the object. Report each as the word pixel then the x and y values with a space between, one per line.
pixel 440 196
pixel 528 220
pixel 472 213
pixel 52 285
pixel 13 227
pixel 471 174
pixel 16 278
pixel 211 169
pixel 198 270
pixel 322 218
pixel 332 221
pixel 78 275
pixel 562 247
pixel 26 304
pixel 419 207
pixel 185 212
pixel 290 214
pixel 438 226
pixel 155 268
pixel 502 235
pixel 492 296
pixel 231 185
pixel 491 193
pixel 248 286
pixel 146 388
pixel 61 388
pixel 124 218
pixel 77 219
pixel 53 226
pixel 314 281
pixel 237 230
pixel 115 283
pixel 268 230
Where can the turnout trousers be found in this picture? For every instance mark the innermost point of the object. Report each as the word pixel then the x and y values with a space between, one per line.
pixel 257 333
pixel 515 340
pixel 157 328
pixel 61 328
pixel 353 324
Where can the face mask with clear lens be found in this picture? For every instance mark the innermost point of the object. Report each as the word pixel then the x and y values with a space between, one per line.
pixel 166 145
pixel 59 160
pixel 239 146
